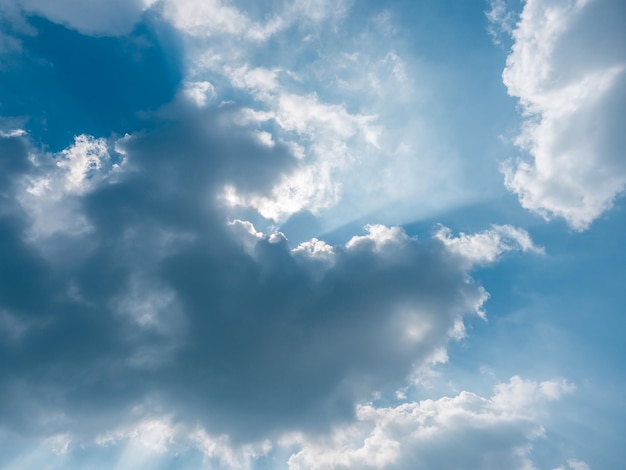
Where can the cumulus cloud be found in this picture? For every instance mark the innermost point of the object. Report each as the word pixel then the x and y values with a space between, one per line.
pixel 569 77
pixel 214 322
pixel 487 433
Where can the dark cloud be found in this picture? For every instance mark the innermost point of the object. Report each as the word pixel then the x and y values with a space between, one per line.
pixel 160 303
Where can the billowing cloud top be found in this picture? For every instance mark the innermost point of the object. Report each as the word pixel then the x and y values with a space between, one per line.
pixel 569 74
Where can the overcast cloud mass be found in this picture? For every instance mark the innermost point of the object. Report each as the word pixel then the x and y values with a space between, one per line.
pixel 311 234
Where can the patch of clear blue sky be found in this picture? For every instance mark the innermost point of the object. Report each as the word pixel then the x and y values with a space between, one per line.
pixel 64 83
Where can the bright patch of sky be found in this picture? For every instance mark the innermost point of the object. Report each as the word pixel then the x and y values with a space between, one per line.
pixel 297 234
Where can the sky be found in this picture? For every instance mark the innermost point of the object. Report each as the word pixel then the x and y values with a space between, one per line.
pixel 304 234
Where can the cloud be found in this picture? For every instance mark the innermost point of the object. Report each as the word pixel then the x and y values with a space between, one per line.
pixel 50 193
pixel 216 323
pixel 206 18
pixel 199 92
pixel 486 247
pixel 577 465
pixel 356 113
pixel 99 17
pixel 501 19
pixel 324 130
pixel 143 310
pixel 486 433
pixel 570 81
pixel 573 464
pixel 202 18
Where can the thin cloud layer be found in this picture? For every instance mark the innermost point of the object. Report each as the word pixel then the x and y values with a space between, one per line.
pixel 99 17
pixel 569 75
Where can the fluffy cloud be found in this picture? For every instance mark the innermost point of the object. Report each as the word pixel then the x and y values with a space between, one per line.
pixel 51 191
pixel 487 433
pixel 325 131
pixel 570 80
pixel 487 246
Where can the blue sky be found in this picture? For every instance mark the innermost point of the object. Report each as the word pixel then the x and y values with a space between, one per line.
pixel 291 234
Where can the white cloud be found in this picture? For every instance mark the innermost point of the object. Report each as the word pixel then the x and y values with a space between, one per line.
pixel 573 464
pixel 156 434
pixel 199 93
pixel 378 238
pixel 13 133
pixel 319 10
pixel 578 465
pixel 519 396
pixel 487 246
pixel 203 19
pixel 501 19
pixel 229 456
pixel 322 130
pixel 568 72
pixel 206 17
pixel 50 193
pixel 465 431
pixel 315 249
pixel 83 162
pixel 344 113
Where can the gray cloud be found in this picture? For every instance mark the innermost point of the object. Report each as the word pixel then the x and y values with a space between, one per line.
pixel 160 304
